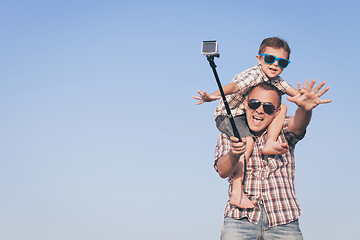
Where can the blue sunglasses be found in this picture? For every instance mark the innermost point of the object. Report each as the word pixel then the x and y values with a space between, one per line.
pixel 270 59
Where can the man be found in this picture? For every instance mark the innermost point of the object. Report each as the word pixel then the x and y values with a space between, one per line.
pixel 269 180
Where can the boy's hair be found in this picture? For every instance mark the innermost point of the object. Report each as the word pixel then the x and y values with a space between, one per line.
pixel 268 87
pixel 274 42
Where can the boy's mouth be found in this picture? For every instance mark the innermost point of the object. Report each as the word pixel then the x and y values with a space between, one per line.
pixel 273 69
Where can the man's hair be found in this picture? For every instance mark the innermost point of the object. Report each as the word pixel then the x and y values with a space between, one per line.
pixel 274 42
pixel 268 87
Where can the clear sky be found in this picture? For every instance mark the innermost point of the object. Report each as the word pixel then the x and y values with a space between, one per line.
pixel 100 137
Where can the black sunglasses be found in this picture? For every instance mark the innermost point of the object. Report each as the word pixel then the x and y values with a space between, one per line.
pixel 269 108
pixel 270 59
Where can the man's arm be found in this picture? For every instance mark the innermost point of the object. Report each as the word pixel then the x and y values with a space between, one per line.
pixel 227 164
pixel 306 99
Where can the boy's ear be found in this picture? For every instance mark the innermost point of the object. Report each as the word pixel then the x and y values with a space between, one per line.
pixel 258 59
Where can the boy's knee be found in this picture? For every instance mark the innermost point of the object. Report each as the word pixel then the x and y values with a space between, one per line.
pixel 283 106
pixel 249 141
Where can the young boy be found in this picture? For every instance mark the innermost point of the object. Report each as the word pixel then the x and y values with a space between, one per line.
pixel 274 54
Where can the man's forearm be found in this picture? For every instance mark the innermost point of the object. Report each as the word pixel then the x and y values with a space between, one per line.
pixel 227 164
pixel 300 121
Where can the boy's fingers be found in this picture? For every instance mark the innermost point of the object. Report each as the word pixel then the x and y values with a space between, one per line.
pixel 305 84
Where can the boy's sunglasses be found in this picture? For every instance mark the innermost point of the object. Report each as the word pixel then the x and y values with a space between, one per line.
pixel 254 104
pixel 270 59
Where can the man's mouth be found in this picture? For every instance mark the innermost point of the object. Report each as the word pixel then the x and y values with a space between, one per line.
pixel 258 119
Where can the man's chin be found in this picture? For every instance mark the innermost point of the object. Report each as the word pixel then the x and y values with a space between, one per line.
pixel 256 124
pixel 257 130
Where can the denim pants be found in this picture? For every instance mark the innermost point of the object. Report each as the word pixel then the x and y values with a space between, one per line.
pixel 234 229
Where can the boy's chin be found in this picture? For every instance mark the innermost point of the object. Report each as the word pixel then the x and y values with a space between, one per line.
pixel 272 74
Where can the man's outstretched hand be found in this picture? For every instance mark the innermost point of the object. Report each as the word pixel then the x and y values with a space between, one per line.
pixel 307 97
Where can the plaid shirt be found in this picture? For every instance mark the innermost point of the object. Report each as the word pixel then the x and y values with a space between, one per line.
pixel 245 80
pixel 268 178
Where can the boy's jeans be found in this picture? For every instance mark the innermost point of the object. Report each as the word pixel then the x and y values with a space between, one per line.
pixel 234 229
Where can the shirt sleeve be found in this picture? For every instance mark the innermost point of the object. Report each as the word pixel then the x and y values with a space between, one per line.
pixel 290 136
pixel 247 79
pixel 222 148
pixel 280 84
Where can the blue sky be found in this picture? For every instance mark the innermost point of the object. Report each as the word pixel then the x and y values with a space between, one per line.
pixel 100 137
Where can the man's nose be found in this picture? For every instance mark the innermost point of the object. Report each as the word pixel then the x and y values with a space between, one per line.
pixel 260 109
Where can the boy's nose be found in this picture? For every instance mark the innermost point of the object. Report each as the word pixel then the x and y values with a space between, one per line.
pixel 276 63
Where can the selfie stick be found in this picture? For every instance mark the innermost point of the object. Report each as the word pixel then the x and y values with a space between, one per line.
pixel 210 58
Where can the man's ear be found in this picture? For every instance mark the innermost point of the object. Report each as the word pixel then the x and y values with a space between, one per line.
pixel 246 103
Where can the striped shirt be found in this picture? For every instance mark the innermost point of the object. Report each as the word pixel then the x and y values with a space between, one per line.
pixel 269 179
pixel 245 80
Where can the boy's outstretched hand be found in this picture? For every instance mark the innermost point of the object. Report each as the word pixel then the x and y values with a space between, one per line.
pixel 205 97
pixel 307 97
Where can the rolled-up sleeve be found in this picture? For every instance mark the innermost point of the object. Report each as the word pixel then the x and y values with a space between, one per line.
pixel 280 84
pixel 222 148
pixel 291 138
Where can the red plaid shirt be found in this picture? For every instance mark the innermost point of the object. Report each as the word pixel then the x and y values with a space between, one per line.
pixel 268 178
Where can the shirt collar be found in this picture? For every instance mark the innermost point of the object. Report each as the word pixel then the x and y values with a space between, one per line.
pixel 263 75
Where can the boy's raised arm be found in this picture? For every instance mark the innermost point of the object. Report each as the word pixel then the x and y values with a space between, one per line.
pixel 291 91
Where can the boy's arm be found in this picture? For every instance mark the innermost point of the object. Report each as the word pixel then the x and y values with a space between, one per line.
pixel 291 91
pixel 231 88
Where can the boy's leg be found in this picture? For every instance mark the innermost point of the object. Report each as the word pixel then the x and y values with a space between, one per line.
pixel 272 146
pixel 238 197
pixel 223 125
